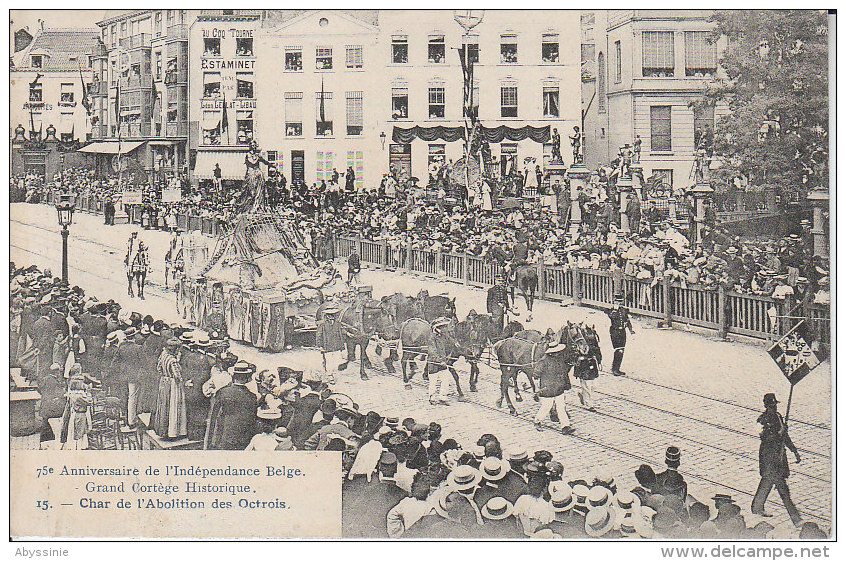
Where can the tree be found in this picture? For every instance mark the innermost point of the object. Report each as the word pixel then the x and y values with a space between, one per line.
pixel 775 85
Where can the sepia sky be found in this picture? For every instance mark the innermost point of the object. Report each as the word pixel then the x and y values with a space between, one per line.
pixel 54 18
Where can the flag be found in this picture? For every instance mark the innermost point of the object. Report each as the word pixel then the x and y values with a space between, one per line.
pixel 224 119
pixel 793 355
pixel 322 102
pixel 86 103
pixel 117 107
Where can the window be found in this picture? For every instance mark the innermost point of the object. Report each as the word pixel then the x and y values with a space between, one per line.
pixel 660 123
pixel 473 52
pixel 508 49
pixel 37 61
pixel 271 156
pixel 211 127
pixel 703 125
pixel 508 158
pixel 211 84
pixel 399 103
pixel 293 59
pixel 323 110
pixel 658 54
pixel 600 80
pixel 35 93
pixel 355 56
pixel 211 46
pixel 324 165
pixel 323 59
pixel 508 101
pixel 293 113
pixel 399 49
pixel 437 156
pixel 437 104
pixel 700 55
pixel 66 94
pixel 123 29
pixel 618 61
pixel 355 113
pixel 158 65
pixel 549 47
pixel 437 49
pixel 170 17
pixel 244 82
pixel 355 160
pixel 550 101
pixel 244 121
pixel 158 24
pixel 244 46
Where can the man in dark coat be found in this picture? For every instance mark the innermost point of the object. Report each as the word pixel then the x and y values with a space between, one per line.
pixel 586 370
pixel 128 363
pixel 304 408
pixel 151 349
pixel 196 370
pixel 365 504
pixel 619 316
pixel 670 481
pixel 497 302
pixel 772 460
pixel 43 338
pixel 234 415
pixel 553 371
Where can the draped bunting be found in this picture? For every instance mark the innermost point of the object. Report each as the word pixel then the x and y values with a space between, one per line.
pixel 540 135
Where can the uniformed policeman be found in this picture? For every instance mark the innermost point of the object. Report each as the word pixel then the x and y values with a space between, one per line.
pixel 498 304
pixel 620 321
pixel 772 460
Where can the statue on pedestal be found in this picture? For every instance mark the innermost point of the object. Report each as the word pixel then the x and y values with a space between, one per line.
pixel 576 143
pixel 556 147
pixel 638 141
pixel 254 182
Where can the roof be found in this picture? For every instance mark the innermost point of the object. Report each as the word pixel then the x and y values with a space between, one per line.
pixel 60 46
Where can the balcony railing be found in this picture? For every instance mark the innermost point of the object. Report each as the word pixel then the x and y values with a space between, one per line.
pixel 178 128
pixel 179 76
pixel 177 32
pixel 135 41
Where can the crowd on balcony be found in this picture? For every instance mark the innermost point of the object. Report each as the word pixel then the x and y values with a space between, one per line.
pixel 100 368
pixel 492 221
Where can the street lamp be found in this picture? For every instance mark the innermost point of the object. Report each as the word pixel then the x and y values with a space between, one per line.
pixel 382 137
pixel 64 207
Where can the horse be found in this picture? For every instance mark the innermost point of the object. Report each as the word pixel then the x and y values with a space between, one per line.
pixel 474 334
pixel 360 321
pixel 516 354
pixel 138 271
pixel 525 277
pixel 418 339
pixel 432 307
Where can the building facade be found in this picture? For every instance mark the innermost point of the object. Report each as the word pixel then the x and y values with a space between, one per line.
pixel 223 72
pixel 650 66
pixel 50 97
pixel 318 96
pixel 525 69
pixel 142 91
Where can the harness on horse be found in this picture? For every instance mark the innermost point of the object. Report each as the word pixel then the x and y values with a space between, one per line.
pixel 532 362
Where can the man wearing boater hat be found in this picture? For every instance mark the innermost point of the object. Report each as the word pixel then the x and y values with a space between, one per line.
pixel 773 460
pixel 619 316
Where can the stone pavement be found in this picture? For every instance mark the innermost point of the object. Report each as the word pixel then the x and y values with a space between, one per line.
pixel 638 417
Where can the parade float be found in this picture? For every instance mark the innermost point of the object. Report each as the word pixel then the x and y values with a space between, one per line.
pixel 257 282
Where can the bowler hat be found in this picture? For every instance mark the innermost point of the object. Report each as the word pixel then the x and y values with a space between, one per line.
pixel 770 399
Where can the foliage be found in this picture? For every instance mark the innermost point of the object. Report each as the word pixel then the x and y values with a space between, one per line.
pixel 774 81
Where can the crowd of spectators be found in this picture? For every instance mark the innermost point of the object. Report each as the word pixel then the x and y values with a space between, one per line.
pixel 406 216
pixel 93 361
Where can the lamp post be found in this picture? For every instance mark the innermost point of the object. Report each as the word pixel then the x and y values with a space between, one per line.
pixel 64 207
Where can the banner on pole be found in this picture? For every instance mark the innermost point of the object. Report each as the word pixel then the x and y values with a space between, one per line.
pixel 171 195
pixel 793 355
pixel 132 197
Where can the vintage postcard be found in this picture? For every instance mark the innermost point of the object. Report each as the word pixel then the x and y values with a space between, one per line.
pixel 421 274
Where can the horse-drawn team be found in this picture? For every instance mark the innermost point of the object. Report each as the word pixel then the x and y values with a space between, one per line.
pixel 427 327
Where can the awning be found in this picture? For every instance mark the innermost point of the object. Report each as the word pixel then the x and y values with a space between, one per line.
pixel 111 147
pixel 231 163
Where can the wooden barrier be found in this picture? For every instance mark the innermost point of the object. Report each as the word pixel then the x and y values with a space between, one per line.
pixel 718 310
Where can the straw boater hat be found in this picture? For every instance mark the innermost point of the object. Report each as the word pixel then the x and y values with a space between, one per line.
pixel 561 496
pixel 627 502
pixel 440 323
pixel 464 478
pixel 493 469
pixel 580 493
pixel 598 496
pixel 556 348
pixel 599 521
pixel 497 508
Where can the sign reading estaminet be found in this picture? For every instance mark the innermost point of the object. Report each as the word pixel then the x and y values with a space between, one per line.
pixel 124 494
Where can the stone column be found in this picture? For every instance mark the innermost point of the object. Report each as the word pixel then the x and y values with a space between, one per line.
pixel 819 198
pixel 624 186
pixel 578 175
pixel 701 192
